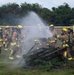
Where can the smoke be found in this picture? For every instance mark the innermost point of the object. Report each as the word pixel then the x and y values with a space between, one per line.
pixel 33 28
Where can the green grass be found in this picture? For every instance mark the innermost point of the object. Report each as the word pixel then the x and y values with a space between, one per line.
pixel 6 69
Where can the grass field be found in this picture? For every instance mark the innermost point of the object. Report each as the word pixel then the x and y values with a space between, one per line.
pixel 5 69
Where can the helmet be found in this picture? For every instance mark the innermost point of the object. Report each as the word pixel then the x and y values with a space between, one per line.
pixel 64 29
pixel 7 27
pixel 70 27
pixel 19 26
pixel 51 25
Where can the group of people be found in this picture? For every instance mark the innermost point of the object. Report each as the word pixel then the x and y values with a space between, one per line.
pixel 67 40
pixel 11 39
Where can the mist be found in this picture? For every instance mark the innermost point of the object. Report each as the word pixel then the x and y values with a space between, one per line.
pixel 33 29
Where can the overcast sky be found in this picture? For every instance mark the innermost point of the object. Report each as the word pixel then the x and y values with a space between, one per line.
pixel 44 3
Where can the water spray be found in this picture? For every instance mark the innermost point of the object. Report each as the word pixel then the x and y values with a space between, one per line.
pixel 35 30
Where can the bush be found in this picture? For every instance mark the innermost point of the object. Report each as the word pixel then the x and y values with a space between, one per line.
pixel 47 65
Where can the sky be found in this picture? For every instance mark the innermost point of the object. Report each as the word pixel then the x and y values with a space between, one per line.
pixel 44 3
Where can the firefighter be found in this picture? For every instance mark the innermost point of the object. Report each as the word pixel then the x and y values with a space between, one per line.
pixel 70 33
pixel 6 38
pixel 53 39
pixel 15 47
pixel 65 43
pixel 19 41
pixel 13 44
pixel 70 30
pixel 1 40
pixel 71 39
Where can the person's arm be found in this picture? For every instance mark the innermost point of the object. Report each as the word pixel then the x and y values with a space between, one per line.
pixel 63 37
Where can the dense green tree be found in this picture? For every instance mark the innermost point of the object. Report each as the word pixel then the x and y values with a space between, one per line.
pixel 61 15
pixel 11 13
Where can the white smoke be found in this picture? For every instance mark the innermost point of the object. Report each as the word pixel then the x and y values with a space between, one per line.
pixel 33 28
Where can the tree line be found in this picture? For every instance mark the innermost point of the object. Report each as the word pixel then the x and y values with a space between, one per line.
pixel 11 13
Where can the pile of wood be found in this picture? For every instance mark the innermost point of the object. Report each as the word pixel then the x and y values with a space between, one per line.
pixel 43 54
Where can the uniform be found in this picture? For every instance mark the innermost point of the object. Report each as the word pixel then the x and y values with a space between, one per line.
pixel 53 39
pixel 65 43
pixel 15 44
pixel 6 38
